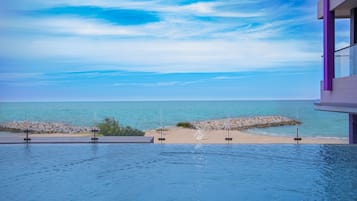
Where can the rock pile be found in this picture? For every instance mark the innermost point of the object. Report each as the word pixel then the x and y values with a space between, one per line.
pixel 43 127
pixel 245 123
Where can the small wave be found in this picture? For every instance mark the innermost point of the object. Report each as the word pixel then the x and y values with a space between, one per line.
pixel 330 137
pixel 261 132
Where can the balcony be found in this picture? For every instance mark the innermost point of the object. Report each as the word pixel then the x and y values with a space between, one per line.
pixel 342 8
pixel 343 97
pixel 346 62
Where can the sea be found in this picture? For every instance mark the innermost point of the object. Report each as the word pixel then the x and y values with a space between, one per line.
pixel 147 115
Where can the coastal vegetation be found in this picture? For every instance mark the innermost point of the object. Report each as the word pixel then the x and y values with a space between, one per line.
pixel 111 127
pixel 185 125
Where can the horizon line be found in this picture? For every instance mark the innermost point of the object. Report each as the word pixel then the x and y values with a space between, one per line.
pixel 162 100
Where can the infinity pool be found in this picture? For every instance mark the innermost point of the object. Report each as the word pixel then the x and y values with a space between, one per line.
pixel 177 172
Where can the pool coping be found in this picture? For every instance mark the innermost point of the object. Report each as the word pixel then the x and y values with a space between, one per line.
pixel 76 140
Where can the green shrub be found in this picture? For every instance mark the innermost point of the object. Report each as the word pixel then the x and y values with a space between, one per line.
pixel 111 127
pixel 185 125
pixel 162 129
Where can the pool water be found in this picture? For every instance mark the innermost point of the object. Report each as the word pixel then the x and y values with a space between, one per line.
pixel 177 172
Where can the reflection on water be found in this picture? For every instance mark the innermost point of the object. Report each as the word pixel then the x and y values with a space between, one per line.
pixel 178 172
pixel 339 172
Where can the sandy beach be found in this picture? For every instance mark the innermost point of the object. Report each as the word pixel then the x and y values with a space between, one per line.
pixel 177 135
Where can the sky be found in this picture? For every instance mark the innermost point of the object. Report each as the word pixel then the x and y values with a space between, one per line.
pixel 110 50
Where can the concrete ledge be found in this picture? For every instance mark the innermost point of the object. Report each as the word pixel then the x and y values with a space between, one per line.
pixel 336 107
pixel 74 140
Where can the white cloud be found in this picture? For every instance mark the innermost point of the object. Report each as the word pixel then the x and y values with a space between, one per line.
pixel 166 55
pixel 230 77
pixel 72 26
pixel 162 84
pixel 169 28
pixel 175 44
pixel 207 9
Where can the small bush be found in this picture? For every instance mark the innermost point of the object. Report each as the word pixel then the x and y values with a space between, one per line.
pixel 185 125
pixel 162 129
pixel 111 127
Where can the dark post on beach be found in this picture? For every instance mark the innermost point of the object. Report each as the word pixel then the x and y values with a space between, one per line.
pixel 161 138
pixel 27 139
pixel 94 131
pixel 228 139
pixel 297 138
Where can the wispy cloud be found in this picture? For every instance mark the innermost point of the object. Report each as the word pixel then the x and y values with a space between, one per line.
pixel 167 55
pixel 155 84
pixel 230 77
pixel 211 9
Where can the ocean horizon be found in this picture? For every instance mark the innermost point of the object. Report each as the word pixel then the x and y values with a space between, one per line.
pixel 151 114
pixel 156 100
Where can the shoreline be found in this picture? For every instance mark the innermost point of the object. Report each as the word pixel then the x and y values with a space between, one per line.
pixel 177 135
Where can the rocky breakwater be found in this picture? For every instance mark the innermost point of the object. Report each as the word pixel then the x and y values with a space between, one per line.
pixel 42 127
pixel 245 123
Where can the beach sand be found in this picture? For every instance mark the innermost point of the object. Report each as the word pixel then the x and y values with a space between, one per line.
pixel 176 135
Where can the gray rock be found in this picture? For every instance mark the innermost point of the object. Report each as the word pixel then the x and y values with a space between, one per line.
pixel 245 123
pixel 43 127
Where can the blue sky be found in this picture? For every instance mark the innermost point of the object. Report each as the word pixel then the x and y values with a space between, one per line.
pixel 161 50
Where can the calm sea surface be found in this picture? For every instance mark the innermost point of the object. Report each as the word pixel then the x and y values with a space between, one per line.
pixel 151 114
pixel 177 172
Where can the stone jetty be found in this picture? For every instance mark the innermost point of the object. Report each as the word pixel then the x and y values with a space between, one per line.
pixel 43 127
pixel 244 123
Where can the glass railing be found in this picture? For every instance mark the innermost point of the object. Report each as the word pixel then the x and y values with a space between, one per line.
pixel 346 62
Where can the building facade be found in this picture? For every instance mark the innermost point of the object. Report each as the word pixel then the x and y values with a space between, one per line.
pixel 339 85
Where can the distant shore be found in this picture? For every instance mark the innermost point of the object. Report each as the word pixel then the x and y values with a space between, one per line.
pixel 229 123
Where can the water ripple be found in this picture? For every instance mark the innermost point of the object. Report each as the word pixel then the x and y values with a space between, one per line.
pixel 180 172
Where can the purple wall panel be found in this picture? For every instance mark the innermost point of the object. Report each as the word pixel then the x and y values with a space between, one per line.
pixel 344 91
pixel 329 45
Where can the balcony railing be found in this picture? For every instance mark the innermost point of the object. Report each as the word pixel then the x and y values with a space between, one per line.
pixel 346 61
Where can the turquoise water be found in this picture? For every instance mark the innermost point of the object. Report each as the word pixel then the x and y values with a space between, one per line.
pixel 177 172
pixel 150 114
